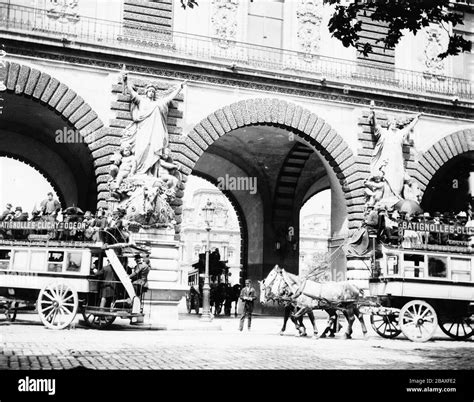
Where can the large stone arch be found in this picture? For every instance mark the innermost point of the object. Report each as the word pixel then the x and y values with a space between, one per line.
pixel 441 152
pixel 289 116
pixel 41 87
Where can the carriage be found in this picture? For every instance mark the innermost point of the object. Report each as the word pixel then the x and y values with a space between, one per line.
pixel 58 277
pixel 222 294
pixel 419 289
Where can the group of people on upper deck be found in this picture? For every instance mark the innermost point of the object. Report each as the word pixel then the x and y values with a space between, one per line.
pixel 104 226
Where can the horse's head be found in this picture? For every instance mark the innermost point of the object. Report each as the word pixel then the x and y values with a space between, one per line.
pixel 273 286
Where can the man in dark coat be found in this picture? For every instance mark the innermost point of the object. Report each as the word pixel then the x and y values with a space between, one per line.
pixel 247 295
pixel 108 282
pixel 8 211
pixel 139 276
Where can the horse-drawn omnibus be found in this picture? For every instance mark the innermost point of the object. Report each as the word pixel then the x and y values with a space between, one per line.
pixel 429 288
pixel 60 277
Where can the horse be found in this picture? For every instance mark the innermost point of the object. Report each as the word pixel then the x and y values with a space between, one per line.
pixel 309 295
pixel 217 297
pixel 232 296
pixel 283 297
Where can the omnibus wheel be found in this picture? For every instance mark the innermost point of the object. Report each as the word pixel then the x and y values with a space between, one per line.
pixel 57 305
pixel 457 327
pixel 98 321
pixel 385 325
pixel 418 320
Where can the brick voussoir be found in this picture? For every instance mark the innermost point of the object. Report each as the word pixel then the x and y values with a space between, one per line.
pixel 23 75
pixel 103 195
pixel 236 109
pixel 193 146
pixel 442 154
pixel 216 124
pixel 290 112
pixel 325 129
pixel 267 109
pixel 450 143
pixel 92 127
pixel 433 158
pixel 75 104
pixel 108 150
pixel 274 110
pixel 445 147
pixel 310 124
pixel 222 120
pixel 32 81
pixel 260 110
pixel 58 95
pixel 41 85
pixel 242 110
pixel 187 151
pixel 210 129
pixel 469 134
pixel 197 139
pixel 102 173
pixel 84 121
pixel 100 162
pixel 13 70
pixel 230 117
pixel 202 132
pixel 50 89
pixel 83 110
pixel 282 107
pixel 457 143
pixel 66 100
pixel 94 146
pixel 464 140
pixel 303 120
pixel 426 165
pixel 296 117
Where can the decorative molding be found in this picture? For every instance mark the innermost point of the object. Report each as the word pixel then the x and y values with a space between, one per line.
pixel 435 67
pixel 309 17
pixel 224 21
pixel 258 83
pixel 63 11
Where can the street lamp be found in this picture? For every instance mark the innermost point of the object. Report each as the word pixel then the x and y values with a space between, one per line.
pixel 206 310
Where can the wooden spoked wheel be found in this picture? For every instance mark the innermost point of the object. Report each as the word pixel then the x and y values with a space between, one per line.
pixel 98 321
pixel 386 325
pixel 457 327
pixel 57 305
pixel 418 320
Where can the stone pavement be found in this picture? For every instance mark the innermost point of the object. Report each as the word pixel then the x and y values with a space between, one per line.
pixel 26 344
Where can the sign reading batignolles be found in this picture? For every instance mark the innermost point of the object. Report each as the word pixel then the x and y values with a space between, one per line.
pixel 437 228
pixel 42 225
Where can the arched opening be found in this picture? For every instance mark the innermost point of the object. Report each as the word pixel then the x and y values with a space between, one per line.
pixel 23 186
pixel 315 231
pixel 449 189
pixel 227 234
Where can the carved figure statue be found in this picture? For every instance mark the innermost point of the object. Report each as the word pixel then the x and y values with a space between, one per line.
pixel 388 155
pixel 147 135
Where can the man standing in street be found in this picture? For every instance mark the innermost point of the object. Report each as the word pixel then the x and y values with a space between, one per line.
pixel 247 295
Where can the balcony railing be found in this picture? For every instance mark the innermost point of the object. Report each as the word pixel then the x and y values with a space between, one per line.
pixel 74 30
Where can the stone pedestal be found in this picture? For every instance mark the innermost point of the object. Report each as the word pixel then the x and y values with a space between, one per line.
pixel 166 284
pixel 358 271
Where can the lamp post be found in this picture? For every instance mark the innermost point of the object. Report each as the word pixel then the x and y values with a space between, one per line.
pixel 206 289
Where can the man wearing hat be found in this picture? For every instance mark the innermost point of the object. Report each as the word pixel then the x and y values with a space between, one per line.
pixel 8 211
pixel 247 295
pixel 139 276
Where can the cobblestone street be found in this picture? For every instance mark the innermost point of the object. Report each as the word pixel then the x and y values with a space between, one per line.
pixel 26 344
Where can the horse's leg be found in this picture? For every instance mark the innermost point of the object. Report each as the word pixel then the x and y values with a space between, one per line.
pixel 360 317
pixel 328 326
pixel 349 313
pixel 286 315
pixel 301 328
pixel 313 322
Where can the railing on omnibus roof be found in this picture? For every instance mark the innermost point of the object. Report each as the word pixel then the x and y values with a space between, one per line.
pixel 71 28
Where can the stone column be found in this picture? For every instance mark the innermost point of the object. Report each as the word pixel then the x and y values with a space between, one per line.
pixel 166 283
